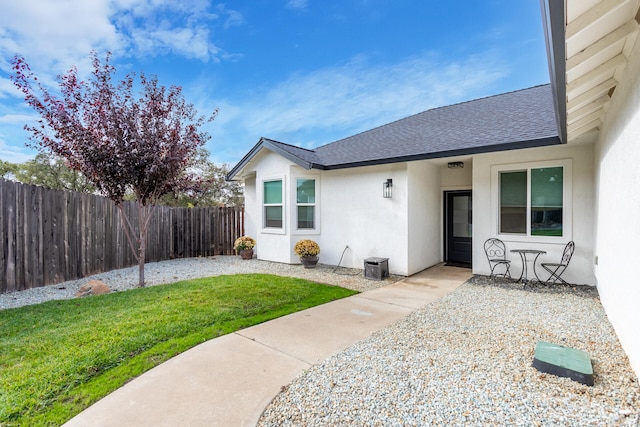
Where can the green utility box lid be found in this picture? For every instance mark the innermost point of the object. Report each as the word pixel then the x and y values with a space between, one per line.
pixel 564 362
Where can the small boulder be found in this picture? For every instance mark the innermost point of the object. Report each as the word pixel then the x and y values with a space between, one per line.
pixel 93 287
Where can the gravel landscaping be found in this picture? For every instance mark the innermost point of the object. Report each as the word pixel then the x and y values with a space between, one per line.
pixel 466 360
pixel 157 273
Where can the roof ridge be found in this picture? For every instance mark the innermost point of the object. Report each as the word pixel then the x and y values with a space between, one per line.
pixel 289 145
pixel 433 109
pixel 482 98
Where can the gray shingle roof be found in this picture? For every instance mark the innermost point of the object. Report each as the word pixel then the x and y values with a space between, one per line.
pixel 520 119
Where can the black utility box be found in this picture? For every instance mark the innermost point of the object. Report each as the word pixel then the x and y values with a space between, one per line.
pixel 376 268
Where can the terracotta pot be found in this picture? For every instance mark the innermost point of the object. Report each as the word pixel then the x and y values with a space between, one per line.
pixel 246 253
pixel 309 261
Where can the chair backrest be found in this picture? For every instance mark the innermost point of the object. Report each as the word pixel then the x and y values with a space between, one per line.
pixel 568 253
pixel 494 248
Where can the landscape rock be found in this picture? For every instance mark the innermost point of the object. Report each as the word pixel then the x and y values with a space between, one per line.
pixel 93 287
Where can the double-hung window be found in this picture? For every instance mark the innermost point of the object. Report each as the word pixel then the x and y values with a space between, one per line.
pixel 306 203
pixel 532 200
pixel 272 202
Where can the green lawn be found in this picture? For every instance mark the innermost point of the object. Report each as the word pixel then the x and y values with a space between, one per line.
pixel 59 357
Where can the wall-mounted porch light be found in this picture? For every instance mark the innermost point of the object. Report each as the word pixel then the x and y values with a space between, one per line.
pixel 386 188
pixel 455 165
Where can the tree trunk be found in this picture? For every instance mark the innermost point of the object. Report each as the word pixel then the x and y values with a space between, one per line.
pixel 141 263
pixel 143 222
pixel 139 245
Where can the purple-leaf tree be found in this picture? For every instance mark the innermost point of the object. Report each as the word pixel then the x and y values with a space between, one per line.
pixel 123 143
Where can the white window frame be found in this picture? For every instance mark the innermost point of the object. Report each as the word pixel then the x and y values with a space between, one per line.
pixel 567 201
pixel 316 205
pixel 263 213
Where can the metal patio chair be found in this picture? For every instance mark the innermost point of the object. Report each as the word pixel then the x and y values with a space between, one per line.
pixel 496 255
pixel 556 269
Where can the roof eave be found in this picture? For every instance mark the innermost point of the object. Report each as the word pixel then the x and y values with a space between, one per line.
pixel 266 143
pixel 244 162
pixel 553 21
pixel 542 142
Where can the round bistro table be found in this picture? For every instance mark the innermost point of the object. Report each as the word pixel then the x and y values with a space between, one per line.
pixel 528 255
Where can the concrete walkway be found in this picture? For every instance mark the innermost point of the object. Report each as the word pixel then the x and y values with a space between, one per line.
pixel 228 381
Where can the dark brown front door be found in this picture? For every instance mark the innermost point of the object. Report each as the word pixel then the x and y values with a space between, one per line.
pixel 458 227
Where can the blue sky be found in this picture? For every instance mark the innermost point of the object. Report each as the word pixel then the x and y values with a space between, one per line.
pixel 304 72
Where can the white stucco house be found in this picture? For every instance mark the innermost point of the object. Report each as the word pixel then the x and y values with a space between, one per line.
pixel 536 168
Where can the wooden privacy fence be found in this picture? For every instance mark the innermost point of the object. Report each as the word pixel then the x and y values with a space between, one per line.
pixel 50 236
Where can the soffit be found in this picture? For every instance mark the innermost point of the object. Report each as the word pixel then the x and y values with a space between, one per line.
pixel 599 37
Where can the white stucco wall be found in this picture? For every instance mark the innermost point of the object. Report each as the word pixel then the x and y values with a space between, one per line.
pixel 250 215
pixel 581 217
pixel 617 245
pixel 355 214
pixel 457 178
pixel 351 212
pixel 425 216
pixel 272 245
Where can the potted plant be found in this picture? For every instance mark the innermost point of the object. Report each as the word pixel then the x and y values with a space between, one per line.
pixel 244 246
pixel 308 251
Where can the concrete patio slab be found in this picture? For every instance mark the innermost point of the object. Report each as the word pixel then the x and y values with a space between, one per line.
pixel 315 334
pixel 227 381
pixel 421 288
pixel 405 295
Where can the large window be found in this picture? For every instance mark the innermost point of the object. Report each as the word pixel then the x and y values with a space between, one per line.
pixel 273 204
pixel 532 201
pixel 306 203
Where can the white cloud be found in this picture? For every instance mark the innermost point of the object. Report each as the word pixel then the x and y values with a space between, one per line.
pixel 190 42
pixel 13 136
pixel 160 27
pixel 357 96
pixel 233 19
pixel 7 89
pixel 18 118
pixel 297 4
pixel 13 153
pixel 53 35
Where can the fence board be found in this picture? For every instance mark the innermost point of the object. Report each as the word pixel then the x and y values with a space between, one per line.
pixel 3 238
pixel 50 236
pixel 73 239
pixel 10 214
